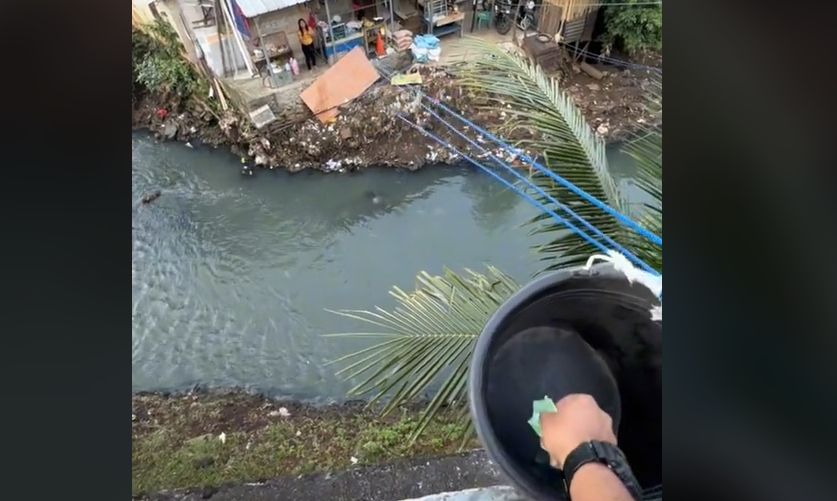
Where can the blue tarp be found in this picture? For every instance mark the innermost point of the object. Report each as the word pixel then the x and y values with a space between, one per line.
pixel 426 41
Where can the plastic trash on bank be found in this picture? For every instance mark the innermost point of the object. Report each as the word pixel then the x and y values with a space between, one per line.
pixel 426 48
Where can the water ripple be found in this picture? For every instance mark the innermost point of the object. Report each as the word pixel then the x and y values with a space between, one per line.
pixel 230 274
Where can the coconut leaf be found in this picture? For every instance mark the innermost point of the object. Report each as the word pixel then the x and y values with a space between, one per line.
pixel 647 151
pixel 426 342
pixel 534 102
pixel 429 339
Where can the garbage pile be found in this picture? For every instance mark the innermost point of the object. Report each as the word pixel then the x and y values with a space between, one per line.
pixel 426 48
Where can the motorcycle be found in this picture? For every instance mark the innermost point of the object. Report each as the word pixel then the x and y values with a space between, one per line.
pixel 526 18
pixel 503 16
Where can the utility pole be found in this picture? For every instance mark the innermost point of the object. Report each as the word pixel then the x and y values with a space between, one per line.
pixel 331 36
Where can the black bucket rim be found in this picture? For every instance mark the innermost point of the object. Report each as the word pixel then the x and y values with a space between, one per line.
pixel 476 401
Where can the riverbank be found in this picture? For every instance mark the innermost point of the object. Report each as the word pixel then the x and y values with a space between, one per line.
pixel 368 132
pixel 202 440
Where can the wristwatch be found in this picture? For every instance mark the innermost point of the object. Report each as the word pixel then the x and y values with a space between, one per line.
pixel 607 454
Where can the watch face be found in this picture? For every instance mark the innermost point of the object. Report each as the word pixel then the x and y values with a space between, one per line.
pixel 609 453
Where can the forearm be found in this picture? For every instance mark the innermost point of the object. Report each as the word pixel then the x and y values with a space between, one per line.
pixel 596 482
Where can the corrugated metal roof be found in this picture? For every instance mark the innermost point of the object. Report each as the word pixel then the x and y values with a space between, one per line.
pixel 252 8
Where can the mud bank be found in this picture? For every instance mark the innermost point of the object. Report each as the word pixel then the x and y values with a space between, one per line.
pixel 208 439
pixel 368 131
pixel 615 106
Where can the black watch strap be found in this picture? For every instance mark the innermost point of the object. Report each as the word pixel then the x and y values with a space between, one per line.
pixel 595 451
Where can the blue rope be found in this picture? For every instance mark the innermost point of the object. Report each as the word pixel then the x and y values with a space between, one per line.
pixel 573 188
pixel 642 264
pixel 525 196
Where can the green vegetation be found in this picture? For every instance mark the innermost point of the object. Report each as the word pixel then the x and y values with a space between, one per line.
pixel 427 341
pixel 634 28
pixel 433 330
pixel 159 66
pixel 178 445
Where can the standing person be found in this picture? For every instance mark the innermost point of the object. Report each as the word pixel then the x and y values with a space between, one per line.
pixel 306 39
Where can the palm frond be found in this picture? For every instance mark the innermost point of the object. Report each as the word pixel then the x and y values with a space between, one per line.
pixel 534 102
pixel 647 151
pixel 428 341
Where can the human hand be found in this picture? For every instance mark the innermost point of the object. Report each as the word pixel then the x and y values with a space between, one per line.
pixel 577 419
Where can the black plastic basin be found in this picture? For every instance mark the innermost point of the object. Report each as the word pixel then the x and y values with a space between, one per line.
pixel 573 331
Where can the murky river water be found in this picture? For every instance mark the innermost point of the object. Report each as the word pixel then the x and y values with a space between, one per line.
pixel 231 274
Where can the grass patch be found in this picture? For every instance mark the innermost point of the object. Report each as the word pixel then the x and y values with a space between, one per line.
pixel 176 443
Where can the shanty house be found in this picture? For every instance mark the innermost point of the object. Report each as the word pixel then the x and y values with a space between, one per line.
pixel 573 20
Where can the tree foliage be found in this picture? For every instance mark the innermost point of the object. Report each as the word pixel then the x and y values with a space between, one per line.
pixel 159 65
pixel 634 28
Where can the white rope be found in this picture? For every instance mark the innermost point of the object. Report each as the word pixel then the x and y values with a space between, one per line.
pixel 633 274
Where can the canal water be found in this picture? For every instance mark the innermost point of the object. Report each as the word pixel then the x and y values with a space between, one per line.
pixel 231 274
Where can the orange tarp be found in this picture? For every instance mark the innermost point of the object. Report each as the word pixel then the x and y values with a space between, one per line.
pixel 346 80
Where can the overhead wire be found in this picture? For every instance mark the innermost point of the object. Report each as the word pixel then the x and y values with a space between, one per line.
pixel 622 219
pixel 611 60
pixel 508 184
pixel 541 192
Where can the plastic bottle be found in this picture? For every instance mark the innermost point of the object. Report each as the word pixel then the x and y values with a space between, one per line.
pixel 294 66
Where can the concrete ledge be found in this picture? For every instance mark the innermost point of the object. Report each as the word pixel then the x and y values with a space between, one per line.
pixel 391 482
pixel 496 493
